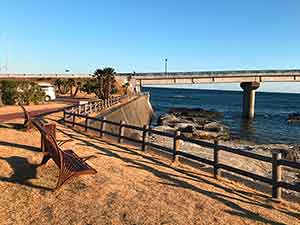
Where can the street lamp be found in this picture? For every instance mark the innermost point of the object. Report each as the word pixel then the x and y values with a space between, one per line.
pixel 166 65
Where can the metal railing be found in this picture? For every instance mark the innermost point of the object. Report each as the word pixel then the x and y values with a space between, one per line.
pixel 95 106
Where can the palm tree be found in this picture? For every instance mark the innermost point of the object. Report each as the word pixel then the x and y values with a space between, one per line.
pixel 109 78
pixel 1 103
pixel 104 78
pixel 99 75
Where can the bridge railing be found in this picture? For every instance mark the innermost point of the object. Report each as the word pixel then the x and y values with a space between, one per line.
pixel 276 160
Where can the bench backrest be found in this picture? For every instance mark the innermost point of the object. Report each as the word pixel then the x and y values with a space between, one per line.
pixel 26 114
pixel 50 145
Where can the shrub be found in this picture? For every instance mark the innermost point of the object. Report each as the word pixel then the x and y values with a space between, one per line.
pixel 9 92
pixel 24 92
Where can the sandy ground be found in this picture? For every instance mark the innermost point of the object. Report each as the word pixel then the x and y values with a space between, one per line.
pixel 130 187
pixel 17 109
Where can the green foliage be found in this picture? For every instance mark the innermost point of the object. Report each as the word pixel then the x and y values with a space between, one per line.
pixel 9 92
pixel 67 85
pixel 63 85
pixel 23 92
pixel 102 84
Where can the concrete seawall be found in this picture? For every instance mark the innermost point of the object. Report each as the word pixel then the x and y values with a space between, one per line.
pixel 137 111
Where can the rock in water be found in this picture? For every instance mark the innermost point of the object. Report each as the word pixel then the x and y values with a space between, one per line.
pixel 197 122
pixel 294 117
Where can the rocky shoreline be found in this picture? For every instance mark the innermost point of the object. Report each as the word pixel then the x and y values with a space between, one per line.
pixel 197 123
pixel 206 125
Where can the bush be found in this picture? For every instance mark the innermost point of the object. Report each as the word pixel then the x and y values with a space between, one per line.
pixel 24 92
pixel 9 92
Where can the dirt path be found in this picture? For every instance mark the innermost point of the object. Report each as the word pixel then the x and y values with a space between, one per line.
pixel 131 187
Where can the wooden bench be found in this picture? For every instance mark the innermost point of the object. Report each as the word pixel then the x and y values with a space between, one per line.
pixel 68 162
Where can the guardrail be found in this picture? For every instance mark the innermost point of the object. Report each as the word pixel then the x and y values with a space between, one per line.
pixel 276 159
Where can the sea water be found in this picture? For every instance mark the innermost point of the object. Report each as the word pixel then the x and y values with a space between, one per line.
pixel 271 111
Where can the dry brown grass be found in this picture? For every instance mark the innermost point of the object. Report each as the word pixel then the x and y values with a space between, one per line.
pixel 130 187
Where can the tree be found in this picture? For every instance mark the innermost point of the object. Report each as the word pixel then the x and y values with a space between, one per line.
pixel 63 86
pixel 66 86
pixel 1 103
pixel 102 84
pixel 109 79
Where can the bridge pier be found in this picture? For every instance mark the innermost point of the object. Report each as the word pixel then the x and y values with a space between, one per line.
pixel 249 98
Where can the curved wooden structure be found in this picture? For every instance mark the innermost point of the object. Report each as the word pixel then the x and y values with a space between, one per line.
pixel 68 162
pixel 27 119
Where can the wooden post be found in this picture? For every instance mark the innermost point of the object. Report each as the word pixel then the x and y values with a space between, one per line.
pixel 73 121
pixel 64 119
pixel 176 144
pixel 121 131
pixel 276 175
pixel 91 107
pixel 78 110
pixel 84 108
pixel 86 124
pixel 102 127
pixel 102 106
pixel 217 172
pixel 145 137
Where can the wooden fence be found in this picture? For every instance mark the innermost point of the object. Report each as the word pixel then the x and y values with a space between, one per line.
pixel 276 160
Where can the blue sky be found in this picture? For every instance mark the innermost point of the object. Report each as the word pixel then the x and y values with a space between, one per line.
pixel 50 36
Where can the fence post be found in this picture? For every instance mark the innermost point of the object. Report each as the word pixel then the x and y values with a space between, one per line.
pixel 73 121
pixel 121 131
pixel 145 137
pixel 216 159
pixel 64 119
pixel 276 175
pixel 102 126
pixel 91 107
pixel 176 144
pixel 86 124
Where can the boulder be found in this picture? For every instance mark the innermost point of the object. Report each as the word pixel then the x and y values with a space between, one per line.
pixel 213 126
pixel 165 129
pixel 187 129
pixel 294 117
pixel 200 134
pixel 292 154
pixel 196 112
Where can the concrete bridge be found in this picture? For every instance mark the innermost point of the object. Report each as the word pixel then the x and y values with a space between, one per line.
pixel 249 80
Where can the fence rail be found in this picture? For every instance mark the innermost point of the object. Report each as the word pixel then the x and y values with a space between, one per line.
pixel 93 106
pixel 276 160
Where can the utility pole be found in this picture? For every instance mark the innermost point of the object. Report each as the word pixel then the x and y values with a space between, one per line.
pixel 166 66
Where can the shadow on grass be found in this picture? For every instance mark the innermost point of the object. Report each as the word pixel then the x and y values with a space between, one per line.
pixel 182 181
pixel 15 145
pixel 13 126
pixel 23 171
